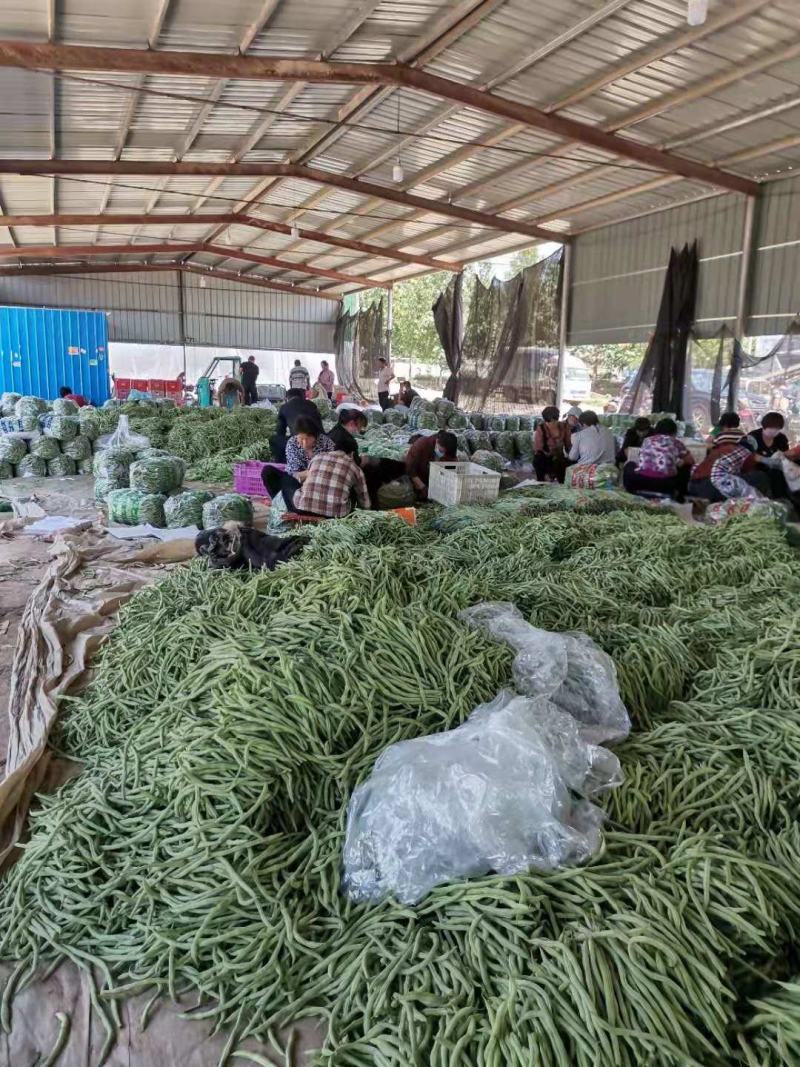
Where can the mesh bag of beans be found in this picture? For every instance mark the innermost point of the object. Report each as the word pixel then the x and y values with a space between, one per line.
pixel 61 466
pixel 493 461
pixel 512 423
pixel 161 474
pixel 476 419
pixel 6 471
pixel 29 405
pixel 8 402
pixel 524 442
pixel 63 427
pixel 496 423
pixel 79 447
pixel 30 423
pixel 45 448
pixel 226 508
pixel 186 509
pixel 84 466
pixel 113 465
pixel 32 467
pixel 131 507
pixel 62 406
pixel 12 449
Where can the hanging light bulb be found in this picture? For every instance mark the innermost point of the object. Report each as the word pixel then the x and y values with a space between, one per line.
pixel 696 12
pixel 397 171
pixel 295 230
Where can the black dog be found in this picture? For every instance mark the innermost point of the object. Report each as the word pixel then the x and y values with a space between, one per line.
pixel 238 547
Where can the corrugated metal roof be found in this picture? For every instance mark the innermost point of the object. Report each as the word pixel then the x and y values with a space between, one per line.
pixel 558 54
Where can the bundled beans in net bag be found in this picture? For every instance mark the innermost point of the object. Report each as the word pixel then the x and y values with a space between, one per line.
pixel 525 422
pixel 29 405
pixel 63 427
pixel 45 448
pixel 61 467
pixel 131 507
pixel 8 403
pixel 505 444
pixel 512 423
pixel 458 421
pixel 427 421
pixel 186 509
pixel 12 449
pixel 441 405
pixel 374 418
pixel 476 419
pixel 480 441
pixel 62 406
pixel 496 423
pixel 524 442
pixel 395 418
pixel 152 453
pixel 79 447
pixel 226 508
pixel 491 460
pixel 32 467
pixel 161 474
pixel 103 486
pixel 30 423
pixel 6 471
pixel 113 465
pixel 84 466
pixel 90 428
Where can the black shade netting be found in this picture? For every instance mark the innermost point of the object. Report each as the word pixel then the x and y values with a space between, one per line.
pixel 510 351
pixel 448 316
pixel 359 339
pixel 660 382
pixel 769 380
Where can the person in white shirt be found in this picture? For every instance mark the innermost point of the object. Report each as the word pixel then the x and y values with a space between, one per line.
pixel 385 375
pixel 299 378
pixel 594 444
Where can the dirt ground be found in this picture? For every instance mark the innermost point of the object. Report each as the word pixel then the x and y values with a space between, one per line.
pixel 168 1040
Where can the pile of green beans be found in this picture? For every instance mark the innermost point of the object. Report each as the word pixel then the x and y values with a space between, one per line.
pixel 230 717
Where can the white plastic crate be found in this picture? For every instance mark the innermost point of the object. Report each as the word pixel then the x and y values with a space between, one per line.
pixel 462 483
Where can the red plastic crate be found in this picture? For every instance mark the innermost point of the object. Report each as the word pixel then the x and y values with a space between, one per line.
pixel 142 384
pixel 247 477
pixel 172 388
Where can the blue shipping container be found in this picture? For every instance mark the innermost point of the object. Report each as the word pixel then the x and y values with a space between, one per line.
pixel 42 349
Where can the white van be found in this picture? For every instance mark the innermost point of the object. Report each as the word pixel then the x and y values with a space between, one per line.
pixel 577 381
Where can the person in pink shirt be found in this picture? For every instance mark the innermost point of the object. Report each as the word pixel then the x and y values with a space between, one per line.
pixel 663 466
pixel 326 379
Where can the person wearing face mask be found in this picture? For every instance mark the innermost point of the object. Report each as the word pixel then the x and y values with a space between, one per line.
pixel 438 448
pixel 769 438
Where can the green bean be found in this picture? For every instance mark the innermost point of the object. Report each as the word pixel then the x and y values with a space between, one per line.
pixel 61 1040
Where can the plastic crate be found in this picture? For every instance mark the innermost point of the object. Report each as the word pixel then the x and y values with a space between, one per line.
pixel 247 477
pixel 462 483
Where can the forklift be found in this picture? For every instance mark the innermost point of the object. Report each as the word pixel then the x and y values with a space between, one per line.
pixel 228 393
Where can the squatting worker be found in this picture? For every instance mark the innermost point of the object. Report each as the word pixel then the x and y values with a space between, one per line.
pixel 385 376
pixel 351 422
pixel 326 379
pixel 307 442
pixel 664 463
pixel 332 480
pixel 406 394
pixel 299 378
pixel 634 436
pixel 289 412
pixel 438 448
pixel 594 444
pixel 551 442
pixel 248 372
pixel 66 393
pixel 729 468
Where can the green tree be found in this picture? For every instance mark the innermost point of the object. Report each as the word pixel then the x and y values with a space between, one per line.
pixel 610 361
pixel 414 336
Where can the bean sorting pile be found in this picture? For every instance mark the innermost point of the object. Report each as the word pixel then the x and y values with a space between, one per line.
pixel 231 716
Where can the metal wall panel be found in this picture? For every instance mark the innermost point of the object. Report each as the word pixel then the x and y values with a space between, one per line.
pixel 42 349
pixel 619 270
pixel 775 296
pixel 145 309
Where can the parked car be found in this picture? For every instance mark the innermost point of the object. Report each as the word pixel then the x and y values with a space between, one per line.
pixel 751 405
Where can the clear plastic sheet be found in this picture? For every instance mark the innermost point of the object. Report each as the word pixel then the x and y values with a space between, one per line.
pixel 506 791
pixel 123 437
pixel 569 668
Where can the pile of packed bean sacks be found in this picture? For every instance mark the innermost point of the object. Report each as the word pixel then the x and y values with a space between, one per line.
pixel 41 439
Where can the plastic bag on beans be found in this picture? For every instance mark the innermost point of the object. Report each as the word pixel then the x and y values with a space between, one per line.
pixel 162 474
pixel 123 437
pixel 505 792
pixel 63 406
pixel 186 509
pixel 61 466
pixel 31 467
pixel 78 448
pixel 131 507
pixel 227 507
pixel 45 448
pixel 12 449
pixel 8 403
pixel 568 668
pixel 63 427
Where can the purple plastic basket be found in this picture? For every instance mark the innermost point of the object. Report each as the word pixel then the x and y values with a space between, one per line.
pixel 247 477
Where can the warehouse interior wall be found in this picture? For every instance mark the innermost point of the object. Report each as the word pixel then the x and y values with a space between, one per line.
pixel 146 309
pixel 618 270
